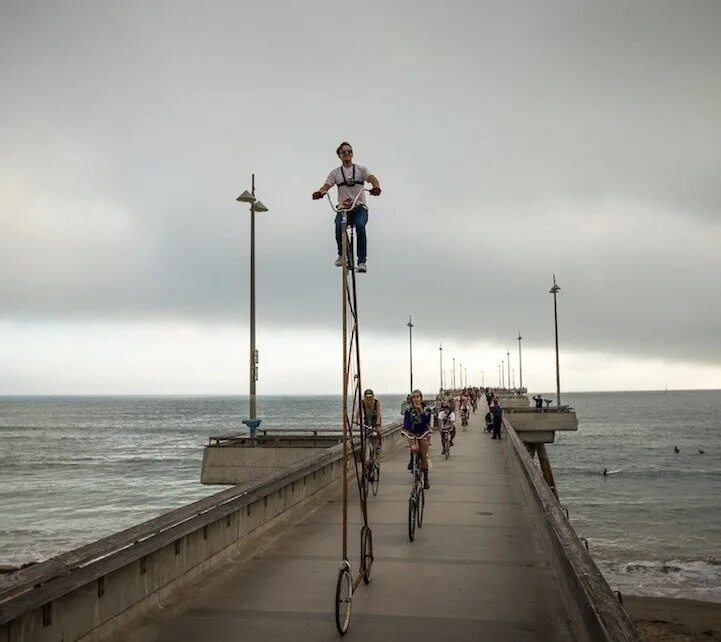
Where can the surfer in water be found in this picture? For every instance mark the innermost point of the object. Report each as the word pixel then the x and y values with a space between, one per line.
pixel 607 472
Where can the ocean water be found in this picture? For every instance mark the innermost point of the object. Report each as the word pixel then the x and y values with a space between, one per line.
pixel 654 528
pixel 73 469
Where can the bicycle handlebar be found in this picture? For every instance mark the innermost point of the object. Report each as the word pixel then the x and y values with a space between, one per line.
pixel 339 208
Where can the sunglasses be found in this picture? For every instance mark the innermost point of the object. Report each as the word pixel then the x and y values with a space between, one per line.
pixel 346 151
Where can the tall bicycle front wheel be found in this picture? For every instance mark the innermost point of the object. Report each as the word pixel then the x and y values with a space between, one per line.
pixel 343 598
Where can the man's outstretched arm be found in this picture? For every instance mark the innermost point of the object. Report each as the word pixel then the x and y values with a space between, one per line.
pixel 322 191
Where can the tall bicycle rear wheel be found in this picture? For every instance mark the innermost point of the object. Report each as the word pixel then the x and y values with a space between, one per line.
pixel 411 518
pixel 343 598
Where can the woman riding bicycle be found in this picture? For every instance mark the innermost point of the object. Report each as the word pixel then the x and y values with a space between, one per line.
pixel 417 428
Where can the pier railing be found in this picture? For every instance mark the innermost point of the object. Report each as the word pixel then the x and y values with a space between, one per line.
pixel 595 612
pixel 100 588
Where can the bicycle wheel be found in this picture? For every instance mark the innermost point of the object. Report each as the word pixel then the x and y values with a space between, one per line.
pixel 368 481
pixel 343 599
pixel 366 553
pixel 421 507
pixel 447 446
pixel 376 478
pixel 411 518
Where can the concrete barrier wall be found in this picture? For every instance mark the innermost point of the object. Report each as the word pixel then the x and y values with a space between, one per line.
pixel 236 465
pixel 594 611
pixel 101 588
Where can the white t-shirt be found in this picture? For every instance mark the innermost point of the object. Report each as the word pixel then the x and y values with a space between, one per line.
pixel 346 193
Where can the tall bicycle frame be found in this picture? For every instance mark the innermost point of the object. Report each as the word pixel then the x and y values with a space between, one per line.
pixel 351 359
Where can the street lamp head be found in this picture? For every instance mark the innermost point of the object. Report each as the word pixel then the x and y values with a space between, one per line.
pixel 519 335
pixel 259 207
pixel 410 323
pixel 246 197
pixel 555 287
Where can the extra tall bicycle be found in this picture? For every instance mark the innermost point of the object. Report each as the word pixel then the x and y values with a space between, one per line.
pixel 352 416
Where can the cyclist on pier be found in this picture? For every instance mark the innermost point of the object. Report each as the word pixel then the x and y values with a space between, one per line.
pixel 417 427
pixel 448 422
pixel 372 416
pixel 350 179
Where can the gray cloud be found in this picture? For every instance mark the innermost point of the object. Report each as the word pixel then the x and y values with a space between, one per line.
pixel 512 142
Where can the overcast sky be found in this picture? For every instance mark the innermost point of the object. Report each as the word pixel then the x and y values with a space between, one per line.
pixel 512 140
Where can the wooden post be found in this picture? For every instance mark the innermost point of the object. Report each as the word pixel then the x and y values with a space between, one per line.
pixel 546 467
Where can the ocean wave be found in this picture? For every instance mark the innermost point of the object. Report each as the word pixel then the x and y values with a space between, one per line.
pixel 710 566
pixel 691 578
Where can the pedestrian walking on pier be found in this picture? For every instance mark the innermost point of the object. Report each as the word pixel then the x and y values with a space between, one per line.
pixel 497 413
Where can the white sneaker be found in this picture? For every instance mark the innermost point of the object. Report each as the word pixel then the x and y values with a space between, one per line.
pixel 339 262
pixel 362 267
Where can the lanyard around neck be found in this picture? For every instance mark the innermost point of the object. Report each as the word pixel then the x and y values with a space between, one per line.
pixel 345 180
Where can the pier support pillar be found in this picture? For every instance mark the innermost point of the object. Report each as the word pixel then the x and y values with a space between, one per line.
pixel 546 467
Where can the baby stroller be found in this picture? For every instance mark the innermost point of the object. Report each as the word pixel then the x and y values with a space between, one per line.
pixel 489 422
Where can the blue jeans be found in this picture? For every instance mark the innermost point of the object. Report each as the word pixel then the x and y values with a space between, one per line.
pixel 357 217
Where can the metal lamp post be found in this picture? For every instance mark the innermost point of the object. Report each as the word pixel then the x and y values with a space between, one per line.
pixel 255 206
pixel 508 365
pixel 440 352
pixel 503 373
pixel 454 373
pixel 410 341
pixel 483 378
pixel 554 290
pixel 520 365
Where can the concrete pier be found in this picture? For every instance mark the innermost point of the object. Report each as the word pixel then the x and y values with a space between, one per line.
pixel 496 559
pixel 475 570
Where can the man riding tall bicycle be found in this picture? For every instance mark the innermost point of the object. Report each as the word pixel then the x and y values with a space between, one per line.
pixel 417 429
pixel 350 179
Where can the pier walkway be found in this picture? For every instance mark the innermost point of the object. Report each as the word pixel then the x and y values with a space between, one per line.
pixel 474 572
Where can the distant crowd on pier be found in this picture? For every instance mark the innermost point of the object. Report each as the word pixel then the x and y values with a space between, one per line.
pixel 448 404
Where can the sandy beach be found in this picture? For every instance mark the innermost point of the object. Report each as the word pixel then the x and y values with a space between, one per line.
pixel 660 619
